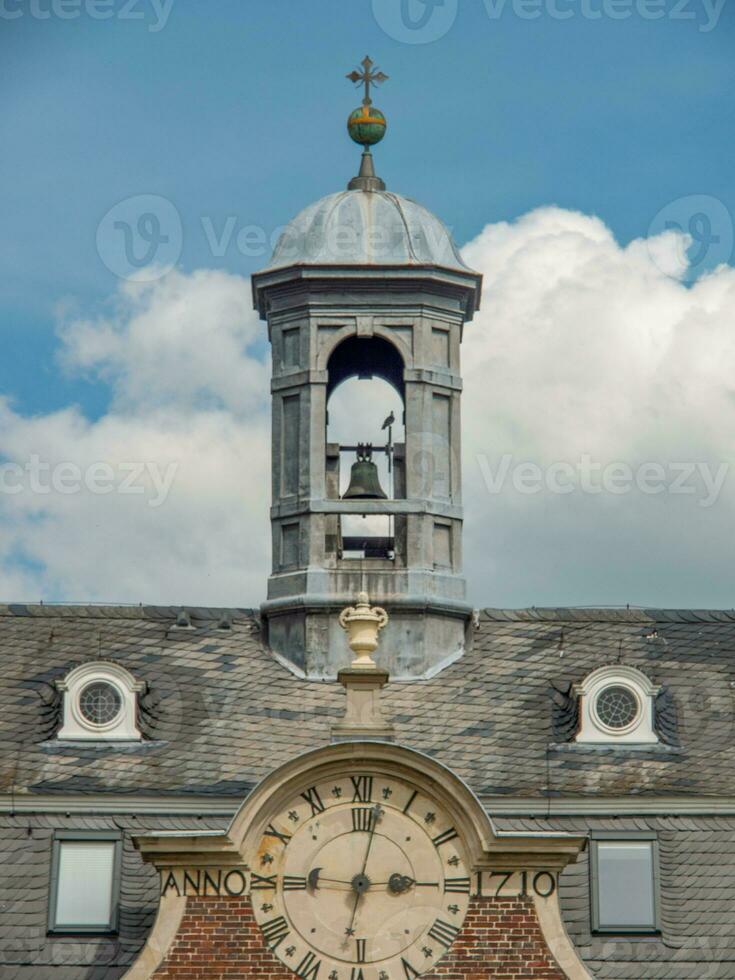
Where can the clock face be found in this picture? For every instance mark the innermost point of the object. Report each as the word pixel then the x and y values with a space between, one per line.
pixel 360 877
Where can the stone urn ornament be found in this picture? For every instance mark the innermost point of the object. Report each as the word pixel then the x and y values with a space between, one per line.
pixel 362 623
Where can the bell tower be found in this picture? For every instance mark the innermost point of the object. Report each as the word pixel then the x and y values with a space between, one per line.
pixel 366 284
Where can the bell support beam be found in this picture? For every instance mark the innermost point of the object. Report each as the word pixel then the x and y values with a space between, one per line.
pixel 411 505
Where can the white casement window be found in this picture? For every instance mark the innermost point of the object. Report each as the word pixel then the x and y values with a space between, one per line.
pixel 85 881
pixel 100 702
pixel 616 706
pixel 624 883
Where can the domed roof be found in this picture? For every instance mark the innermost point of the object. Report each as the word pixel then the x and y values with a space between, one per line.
pixel 358 227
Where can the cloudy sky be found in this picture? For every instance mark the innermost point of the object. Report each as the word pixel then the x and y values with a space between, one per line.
pixel 584 163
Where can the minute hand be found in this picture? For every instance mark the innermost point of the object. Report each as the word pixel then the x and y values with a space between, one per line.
pixel 376 813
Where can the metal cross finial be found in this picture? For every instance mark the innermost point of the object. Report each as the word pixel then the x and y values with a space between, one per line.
pixel 367 77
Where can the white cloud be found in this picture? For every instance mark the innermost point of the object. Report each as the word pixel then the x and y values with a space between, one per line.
pixel 180 341
pixel 186 364
pixel 581 347
pixel 584 347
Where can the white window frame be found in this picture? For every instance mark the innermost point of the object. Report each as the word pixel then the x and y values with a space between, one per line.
pixel 593 730
pixel 85 836
pixel 122 728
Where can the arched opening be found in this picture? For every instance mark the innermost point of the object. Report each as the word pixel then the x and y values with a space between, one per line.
pixel 357 412
pixel 365 357
pixel 365 407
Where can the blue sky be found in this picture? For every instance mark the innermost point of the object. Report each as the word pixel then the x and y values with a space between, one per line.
pixel 231 115
pixel 237 109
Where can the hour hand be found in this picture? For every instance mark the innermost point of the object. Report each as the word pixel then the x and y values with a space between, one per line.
pixel 398 883
pixel 315 881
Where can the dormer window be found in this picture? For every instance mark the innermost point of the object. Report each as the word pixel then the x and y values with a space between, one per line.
pixel 616 706
pixel 100 702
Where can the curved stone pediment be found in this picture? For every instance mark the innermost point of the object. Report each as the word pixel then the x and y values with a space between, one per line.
pixel 379 835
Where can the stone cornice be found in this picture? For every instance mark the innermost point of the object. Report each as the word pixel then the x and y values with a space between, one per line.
pixel 465 285
pixel 226 806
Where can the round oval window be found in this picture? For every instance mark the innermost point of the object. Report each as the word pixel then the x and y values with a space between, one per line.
pixel 617 707
pixel 100 703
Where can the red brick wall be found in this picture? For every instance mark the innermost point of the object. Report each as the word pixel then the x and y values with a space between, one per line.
pixel 220 940
pixel 501 937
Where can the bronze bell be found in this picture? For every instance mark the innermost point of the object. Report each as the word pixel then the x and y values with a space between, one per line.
pixel 364 482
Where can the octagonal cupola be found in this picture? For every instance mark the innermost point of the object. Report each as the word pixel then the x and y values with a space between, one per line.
pixel 366 286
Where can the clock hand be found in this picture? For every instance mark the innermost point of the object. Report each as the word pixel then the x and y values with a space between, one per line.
pixel 315 880
pixel 377 813
pixel 361 882
pixel 398 883
pixel 350 930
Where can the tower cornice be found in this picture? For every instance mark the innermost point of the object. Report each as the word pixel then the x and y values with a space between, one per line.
pixel 368 279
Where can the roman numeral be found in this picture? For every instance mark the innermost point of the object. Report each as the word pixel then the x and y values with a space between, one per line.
pixel 272 832
pixel 363 818
pixel 411 798
pixel 457 886
pixel 445 836
pixel 259 883
pixel 274 931
pixel 408 970
pixel 293 883
pixel 360 943
pixel 444 933
pixel 308 968
pixel 363 787
pixel 314 800
pixel 357 974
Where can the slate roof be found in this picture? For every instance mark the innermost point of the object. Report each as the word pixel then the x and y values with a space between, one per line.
pixel 697 871
pixel 220 712
pixel 697 886
pixel 27 952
